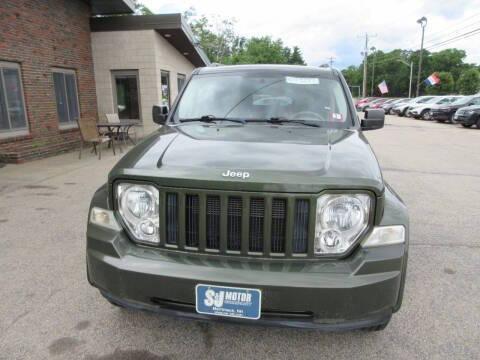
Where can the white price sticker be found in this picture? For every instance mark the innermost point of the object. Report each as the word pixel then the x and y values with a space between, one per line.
pixel 302 80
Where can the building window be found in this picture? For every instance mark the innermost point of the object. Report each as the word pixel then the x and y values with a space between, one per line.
pixel 180 82
pixel 126 94
pixel 12 105
pixel 165 82
pixel 66 95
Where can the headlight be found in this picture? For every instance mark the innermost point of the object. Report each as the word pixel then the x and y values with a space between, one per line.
pixel 139 208
pixel 340 219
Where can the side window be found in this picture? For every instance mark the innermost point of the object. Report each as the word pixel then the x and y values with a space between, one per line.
pixel 12 105
pixel 165 83
pixel 180 81
pixel 66 97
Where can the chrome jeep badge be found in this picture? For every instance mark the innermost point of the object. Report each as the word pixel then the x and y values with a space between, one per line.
pixel 236 174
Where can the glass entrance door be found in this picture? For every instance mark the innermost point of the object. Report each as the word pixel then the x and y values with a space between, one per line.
pixel 126 94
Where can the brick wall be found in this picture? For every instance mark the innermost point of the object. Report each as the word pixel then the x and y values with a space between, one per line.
pixel 40 35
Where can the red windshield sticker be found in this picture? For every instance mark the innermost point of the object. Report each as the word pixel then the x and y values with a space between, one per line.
pixel 336 117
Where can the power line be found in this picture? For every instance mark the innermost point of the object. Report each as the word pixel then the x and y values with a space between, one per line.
pixel 441 33
pixel 456 38
pixel 454 32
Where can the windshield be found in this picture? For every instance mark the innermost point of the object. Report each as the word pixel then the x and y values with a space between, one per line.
pixel 424 100
pixel 462 100
pixel 265 96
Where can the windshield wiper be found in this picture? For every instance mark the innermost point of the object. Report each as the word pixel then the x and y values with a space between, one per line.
pixel 211 118
pixel 277 120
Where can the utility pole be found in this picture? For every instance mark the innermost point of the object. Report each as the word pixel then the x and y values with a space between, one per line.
pixel 365 58
pixel 423 23
pixel 331 59
pixel 373 68
pixel 411 75
pixel 410 84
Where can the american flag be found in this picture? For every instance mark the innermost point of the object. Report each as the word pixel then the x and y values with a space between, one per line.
pixel 383 87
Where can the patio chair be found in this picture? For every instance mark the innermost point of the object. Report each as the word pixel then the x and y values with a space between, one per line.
pixel 89 134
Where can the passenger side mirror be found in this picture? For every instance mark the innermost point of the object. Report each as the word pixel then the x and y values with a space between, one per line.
pixel 374 119
pixel 160 114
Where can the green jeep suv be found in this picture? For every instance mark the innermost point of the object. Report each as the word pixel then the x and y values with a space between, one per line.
pixel 259 200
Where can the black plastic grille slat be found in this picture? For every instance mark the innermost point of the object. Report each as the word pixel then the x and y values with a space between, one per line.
pixel 213 222
pixel 300 227
pixel 172 219
pixel 234 223
pixel 257 218
pixel 191 220
pixel 279 221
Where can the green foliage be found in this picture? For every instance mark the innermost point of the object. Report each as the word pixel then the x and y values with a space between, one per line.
pixel 223 45
pixel 469 82
pixel 265 50
pixel 141 9
pixel 445 87
pixel 393 67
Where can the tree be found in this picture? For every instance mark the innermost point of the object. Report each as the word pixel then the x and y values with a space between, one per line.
pixel 396 73
pixel 296 56
pixel 445 87
pixel 469 82
pixel 141 9
pixel 222 44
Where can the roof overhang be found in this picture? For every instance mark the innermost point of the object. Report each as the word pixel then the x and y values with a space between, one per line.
pixel 171 26
pixel 111 7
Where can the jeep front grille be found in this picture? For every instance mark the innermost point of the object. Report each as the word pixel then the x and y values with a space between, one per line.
pixel 276 225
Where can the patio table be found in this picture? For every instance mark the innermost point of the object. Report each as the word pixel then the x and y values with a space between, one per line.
pixel 119 129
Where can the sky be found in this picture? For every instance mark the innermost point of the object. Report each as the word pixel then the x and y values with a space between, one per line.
pixel 324 29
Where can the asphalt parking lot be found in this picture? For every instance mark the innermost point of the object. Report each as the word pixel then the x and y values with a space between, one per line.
pixel 48 310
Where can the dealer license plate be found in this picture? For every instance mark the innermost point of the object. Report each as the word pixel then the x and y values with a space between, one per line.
pixel 228 301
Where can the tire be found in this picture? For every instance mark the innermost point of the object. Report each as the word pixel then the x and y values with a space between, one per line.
pixel 478 123
pixel 452 120
pixel 467 125
pixel 376 327
pixel 424 114
pixel 402 113
pixel 441 121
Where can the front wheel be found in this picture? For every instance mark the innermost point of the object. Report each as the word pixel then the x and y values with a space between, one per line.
pixel 452 119
pixel 425 115
pixel 467 125
pixel 478 123
pixel 441 121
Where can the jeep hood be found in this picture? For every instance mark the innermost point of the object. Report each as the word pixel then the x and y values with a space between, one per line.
pixel 278 158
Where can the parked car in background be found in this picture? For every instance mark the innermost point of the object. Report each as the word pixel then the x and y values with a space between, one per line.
pixel 447 112
pixel 468 116
pixel 401 109
pixel 388 105
pixel 422 111
pixel 376 104
pixel 361 102
pixel 371 104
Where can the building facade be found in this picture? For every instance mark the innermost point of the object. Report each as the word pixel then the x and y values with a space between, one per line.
pixel 48 81
pixel 141 61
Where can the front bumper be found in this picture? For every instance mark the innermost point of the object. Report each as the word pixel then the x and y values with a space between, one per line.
pixel 366 287
pixel 361 290
pixel 465 119
pixel 440 115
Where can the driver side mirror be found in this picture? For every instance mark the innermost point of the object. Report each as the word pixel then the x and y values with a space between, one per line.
pixel 374 119
pixel 160 114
